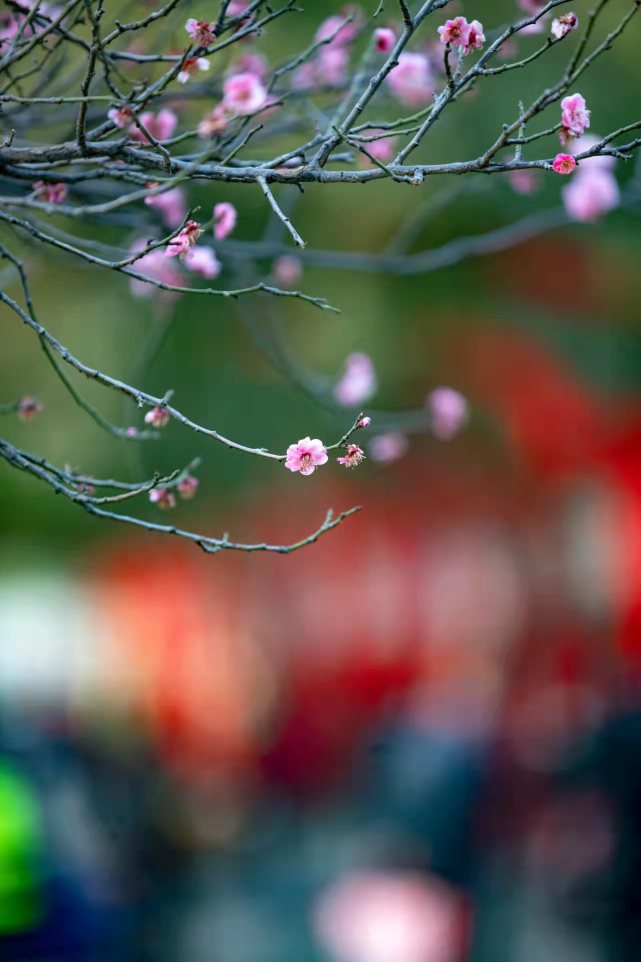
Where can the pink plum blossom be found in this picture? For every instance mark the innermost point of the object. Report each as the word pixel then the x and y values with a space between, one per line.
pixel 562 26
pixel 335 27
pixel 244 93
pixel 225 217
pixel 213 122
pixel 121 116
pixel 353 456
pixel 384 39
pixel 454 31
pixel 475 37
pixel 163 498
pixel 448 412
pixel 564 164
pixel 386 448
pixel 411 80
pixel 184 240
pixel 187 487
pixel 157 417
pixel 191 66
pixel 358 382
pixel 161 126
pixel 287 270
pixel 51 193
pixel 574 116
pixel 364 422
pixel 155 266
pixel 200 31
pixel 29 407
pixel 171 205
pixel 203 261
pixel 306 456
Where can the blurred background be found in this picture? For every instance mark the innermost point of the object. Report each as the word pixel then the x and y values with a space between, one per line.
pixel 415 741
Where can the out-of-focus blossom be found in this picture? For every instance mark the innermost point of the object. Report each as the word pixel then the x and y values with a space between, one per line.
pixel 358 382
pixel 562 26
pixel 564 164
pixel 155 266
pixel 411 80
pixel 384 39
pixel 448 412
pixel 157 417
pixel 187 487
pixel 250 62
pixel 382 149
pixel 237 7
pixel 51 193
pixel 331 66
pixel 200 31
pixel 213 122
pixel 203 261
pixel 574 116
pixel 225 217
pixel 287 270
pixel 335 26
pixel 386 448
pixel 29 407
pixel 191 66
pixel 171 205
pixel 121 116
pixel 244 93
pixel 161 126
pixel 353 456
pixel 524 181
pixel 592 193
pixel 132 432
pixel 598 162
pixel 306 456
pixel 532 7
pixel 187 238
pixel 163 498
pixel 389 917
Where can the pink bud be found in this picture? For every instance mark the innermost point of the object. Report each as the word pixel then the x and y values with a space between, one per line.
pixel 158 417
pixel 364 422
pixel 187 487
pixel 28 408
pixel 384 38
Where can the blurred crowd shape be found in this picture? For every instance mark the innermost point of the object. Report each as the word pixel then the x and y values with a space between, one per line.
pixel 416 744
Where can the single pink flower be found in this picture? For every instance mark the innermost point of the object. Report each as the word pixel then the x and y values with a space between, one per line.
pixel 353 456
pixel 200 31
pixel 191 66
pixel 564 164
pixel 163 498
pixel 157 417
pixel 170 204
pixel 184 240
pixel 562 26
pixel 213 122
pixel 364 422
pixel 29 407
pixel 454 31
pixel 121 116
pixel 225 217
pixel 306 456
pixel 411 80
pixel 574 115
pixel 203 261
pixel 448 412
pixel 287 270
pixel 592 193
pixel 384 39
pixel 161 126
pixel 358 382
pixel 155 266
pixel 244 93
pixel 51 193
pixel 335 26
pixel 386 448
pixel 187 487
pixel 475 37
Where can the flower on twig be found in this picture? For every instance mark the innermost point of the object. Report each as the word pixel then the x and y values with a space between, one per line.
pixel 200 31
pixel 564 164
pixel 163 498
pixel 157 417
pixel 305 456
pixel 353 456
pixel 187 487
